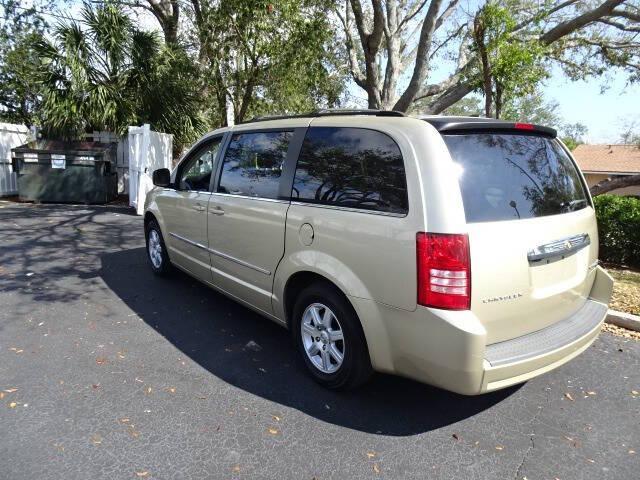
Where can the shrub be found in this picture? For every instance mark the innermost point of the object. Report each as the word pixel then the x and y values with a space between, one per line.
pixel 619 229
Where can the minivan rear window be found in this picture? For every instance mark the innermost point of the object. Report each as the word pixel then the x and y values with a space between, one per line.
pixel 513 176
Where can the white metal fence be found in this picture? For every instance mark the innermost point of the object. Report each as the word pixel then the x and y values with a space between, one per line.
pixel 11 136
pixel 139 153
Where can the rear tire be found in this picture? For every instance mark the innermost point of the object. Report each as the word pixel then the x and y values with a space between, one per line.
pixel 329 338
pixel 156 249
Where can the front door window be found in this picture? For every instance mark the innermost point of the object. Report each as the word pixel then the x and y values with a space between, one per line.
pixel 196 173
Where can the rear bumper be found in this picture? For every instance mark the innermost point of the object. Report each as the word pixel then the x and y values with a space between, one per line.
pixel 449 350
pixel 519 359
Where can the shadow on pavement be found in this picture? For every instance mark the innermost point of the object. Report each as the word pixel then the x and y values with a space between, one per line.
pixel 213 331
pixel 41 245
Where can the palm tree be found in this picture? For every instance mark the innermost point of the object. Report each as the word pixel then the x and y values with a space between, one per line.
pixel 102 73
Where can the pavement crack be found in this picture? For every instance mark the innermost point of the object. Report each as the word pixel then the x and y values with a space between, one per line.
pixel 532 441
pixel 524 457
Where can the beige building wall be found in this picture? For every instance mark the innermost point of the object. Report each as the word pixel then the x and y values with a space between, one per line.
pixel 593 178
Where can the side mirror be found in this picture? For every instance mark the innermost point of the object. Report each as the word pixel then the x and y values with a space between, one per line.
pixel 162 177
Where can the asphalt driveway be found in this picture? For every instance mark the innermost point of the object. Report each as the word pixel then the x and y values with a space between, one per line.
pixel 109 372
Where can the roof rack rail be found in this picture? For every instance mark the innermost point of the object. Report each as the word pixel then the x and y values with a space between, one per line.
pixel 327 112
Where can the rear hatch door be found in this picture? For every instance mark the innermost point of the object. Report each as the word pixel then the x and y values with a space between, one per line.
pixel 532 229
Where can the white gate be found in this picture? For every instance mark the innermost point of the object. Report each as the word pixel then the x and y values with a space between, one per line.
pixel 148 151
pixel 11 136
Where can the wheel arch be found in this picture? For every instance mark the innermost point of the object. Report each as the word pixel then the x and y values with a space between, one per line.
pixel 300 280
pixel 152 214
pixel 148 217
pixel 296 283
pixel 292 277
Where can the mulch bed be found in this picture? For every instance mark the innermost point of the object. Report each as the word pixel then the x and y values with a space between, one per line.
pixel 626 290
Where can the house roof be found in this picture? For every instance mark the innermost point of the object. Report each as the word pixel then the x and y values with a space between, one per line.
pixel 618 159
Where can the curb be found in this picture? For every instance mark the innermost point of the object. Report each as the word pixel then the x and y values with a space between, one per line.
pixel 624 320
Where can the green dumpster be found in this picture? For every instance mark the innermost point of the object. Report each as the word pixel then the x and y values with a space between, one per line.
pixel 66 172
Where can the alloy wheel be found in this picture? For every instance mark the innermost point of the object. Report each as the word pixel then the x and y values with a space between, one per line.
pixel 155 249
pixel 322 338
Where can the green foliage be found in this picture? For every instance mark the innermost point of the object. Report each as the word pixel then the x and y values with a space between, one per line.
pixel 302 74
pixel 19 91
pixel 467 107
pixel 515 65
pixel 20 28
pixel 532 108
pixel 104 74
pixel 268 56
pixel 168 93
pixel 619 229
pixel 570 143
pixel 572 134
pixel 629 131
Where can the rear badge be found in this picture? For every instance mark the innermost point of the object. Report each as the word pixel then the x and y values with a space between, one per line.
pixel 513 296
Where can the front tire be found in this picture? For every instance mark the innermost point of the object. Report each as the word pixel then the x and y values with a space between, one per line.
pixel 329 338
pixel 156 249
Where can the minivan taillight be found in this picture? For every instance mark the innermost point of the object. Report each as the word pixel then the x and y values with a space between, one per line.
pixel 444 270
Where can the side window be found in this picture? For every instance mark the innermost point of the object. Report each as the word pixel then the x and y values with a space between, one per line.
pixel 253 164
pixel 196 173
pixel 351 167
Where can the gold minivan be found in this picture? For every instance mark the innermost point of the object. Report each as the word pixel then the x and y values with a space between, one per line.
pixel 460 252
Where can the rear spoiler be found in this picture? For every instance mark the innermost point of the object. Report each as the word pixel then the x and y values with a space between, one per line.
pixel 486 125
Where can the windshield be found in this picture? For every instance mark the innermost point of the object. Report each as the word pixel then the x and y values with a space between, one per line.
pixel 509 176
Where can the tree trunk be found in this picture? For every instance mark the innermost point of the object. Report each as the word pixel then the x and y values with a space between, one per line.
pixel 392 73
pixel 614 183
pixel 247 97
pixel 170 31
pixel 370 41
pixel 421 66
pixel 487 93
pixel 573 24
pixel 499 92
pixel 448 98
pixel 478 33
pixel 167 12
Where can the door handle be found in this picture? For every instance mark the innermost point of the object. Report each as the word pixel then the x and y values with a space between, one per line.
pixel 199 207
pixel 559 248
pixel 216 210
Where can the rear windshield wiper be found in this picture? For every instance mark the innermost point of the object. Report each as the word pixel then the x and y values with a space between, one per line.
pixel 573 204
